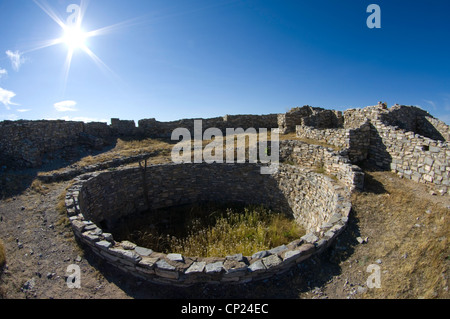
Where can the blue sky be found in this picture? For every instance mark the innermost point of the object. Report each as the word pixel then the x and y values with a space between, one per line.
pixel 173 59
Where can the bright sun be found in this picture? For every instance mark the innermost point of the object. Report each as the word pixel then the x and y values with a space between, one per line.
pixel 74 37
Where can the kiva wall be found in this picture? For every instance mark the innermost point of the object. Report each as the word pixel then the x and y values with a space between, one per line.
pixel 114 195
pixel 315 200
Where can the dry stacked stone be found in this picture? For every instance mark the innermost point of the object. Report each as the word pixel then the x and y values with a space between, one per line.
pixel 318 202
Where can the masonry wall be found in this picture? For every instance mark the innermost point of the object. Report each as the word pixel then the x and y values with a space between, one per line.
pixel 355 140
pixel 387 137
pixel 28 143
pixel 315 200
pixel 433 128
pixel 323 159
pixel 410 155
pixel 288 121
pixel 354 118
pixel 114 195
pixel 153 128
pixel 324 119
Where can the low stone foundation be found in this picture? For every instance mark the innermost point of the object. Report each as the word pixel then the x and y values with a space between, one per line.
pixel 317 202
pixel 330 162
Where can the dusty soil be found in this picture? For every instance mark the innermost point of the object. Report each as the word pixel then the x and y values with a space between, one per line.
pixel 409 246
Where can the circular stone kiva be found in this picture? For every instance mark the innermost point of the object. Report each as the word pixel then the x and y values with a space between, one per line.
pixel 98 200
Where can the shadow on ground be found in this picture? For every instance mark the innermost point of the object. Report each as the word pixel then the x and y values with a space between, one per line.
pixel 14 182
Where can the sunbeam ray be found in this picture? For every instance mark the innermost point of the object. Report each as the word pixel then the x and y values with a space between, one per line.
pixel 46 8
pixel 113 27
pixel 74 36
pixel 44 44
pixel 67 69
pixel 99 62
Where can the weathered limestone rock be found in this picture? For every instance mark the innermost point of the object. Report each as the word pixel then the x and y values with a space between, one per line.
pixel 196 267
pixel 143 251
pixel 257 266
pixel 314 199
pixel 216 267
pixel 175 257
pixel 271 261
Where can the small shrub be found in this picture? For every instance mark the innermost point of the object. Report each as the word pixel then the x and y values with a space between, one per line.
pixel 63 221
pixel 37 186
pixel 320 168
pixel 61 205
pixel 232 232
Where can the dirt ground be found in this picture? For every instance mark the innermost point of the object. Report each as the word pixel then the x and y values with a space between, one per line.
pixel 400 225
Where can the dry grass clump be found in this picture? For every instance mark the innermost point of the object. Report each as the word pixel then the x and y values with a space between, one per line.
pixel 37 186
pixel 234 231
pixel 126 148
pixel 133 147
pixel 244 233
pixel 2 255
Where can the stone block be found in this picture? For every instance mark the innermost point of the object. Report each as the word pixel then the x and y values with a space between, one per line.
pixel 310 238
pixel 148 262
pixel 175 257
pixel 103 244
pixel 214 268
pixel 271 261
pixel 291 255
pixel 165 270
pixel 128 245
pixel 126 255
pixel 257 266
pixel 195 268
pixel 278 250
pixel 235 268
pixel 260 254
pixel 143 251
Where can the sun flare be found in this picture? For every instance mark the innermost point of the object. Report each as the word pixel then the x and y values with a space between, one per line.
pixel 74 37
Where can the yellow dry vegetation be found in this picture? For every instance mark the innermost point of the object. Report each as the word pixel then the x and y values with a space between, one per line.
pixel 2 254
pixel 410 232
pixel 239 232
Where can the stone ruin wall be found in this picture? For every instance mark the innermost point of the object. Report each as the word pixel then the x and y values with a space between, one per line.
pixel 355 140
pixel 29 143
pixel 318 202
pixel 403 139
pixel 410 155
pixel 323 159
pixel 434 128
pixel 153 128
